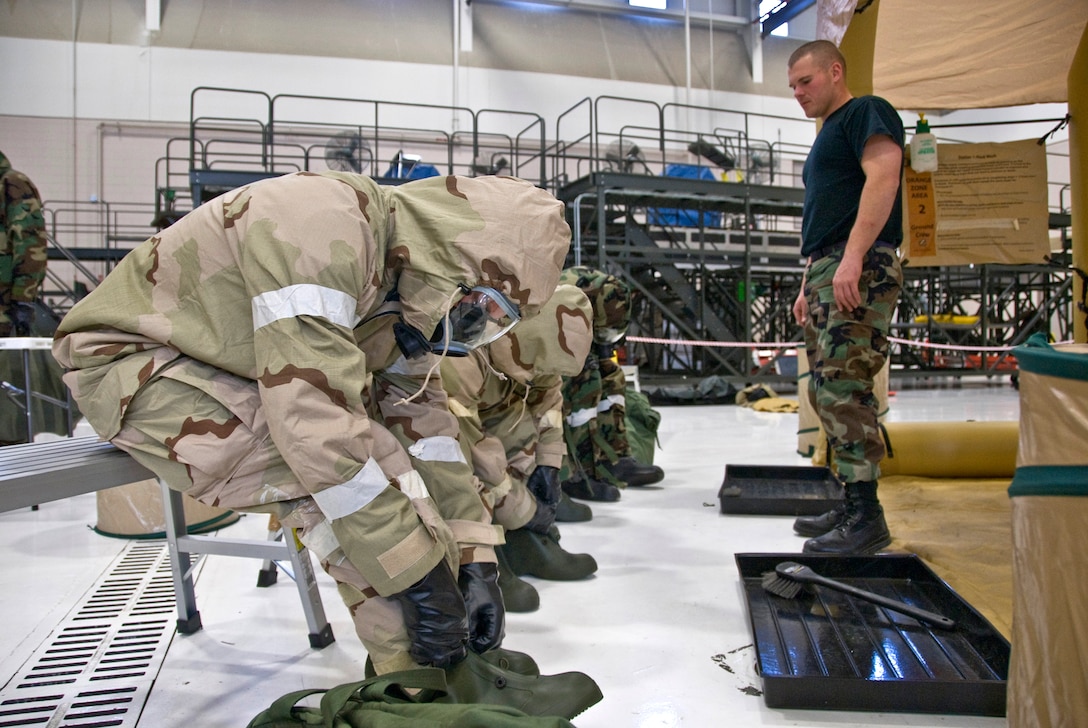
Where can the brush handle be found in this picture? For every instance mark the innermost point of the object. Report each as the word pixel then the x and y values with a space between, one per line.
pixel 938 620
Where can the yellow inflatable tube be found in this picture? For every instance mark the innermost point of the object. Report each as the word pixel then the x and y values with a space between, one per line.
pixel 951 449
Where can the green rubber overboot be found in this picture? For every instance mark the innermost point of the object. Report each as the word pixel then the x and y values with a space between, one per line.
pixel 518 595
pixel 572 512
pixel 475 680
pixel 512 660
pixel 501 657
pixel 533 554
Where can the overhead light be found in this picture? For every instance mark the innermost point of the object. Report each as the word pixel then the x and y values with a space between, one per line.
pixel 653 4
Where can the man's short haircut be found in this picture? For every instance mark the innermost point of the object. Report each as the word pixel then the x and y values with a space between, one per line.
pixel 824 52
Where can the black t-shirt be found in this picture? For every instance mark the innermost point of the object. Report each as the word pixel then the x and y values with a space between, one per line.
pixel 833 175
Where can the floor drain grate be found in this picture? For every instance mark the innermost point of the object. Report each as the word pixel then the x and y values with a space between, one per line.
pixel 97 668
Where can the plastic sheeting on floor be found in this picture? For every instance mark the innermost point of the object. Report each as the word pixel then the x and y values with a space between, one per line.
pixel 961 528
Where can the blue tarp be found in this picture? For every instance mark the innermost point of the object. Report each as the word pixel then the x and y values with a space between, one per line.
pixel 416 171
pixel 680 217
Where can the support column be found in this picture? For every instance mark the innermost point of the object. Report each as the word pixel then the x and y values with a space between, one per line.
pixel 1078 178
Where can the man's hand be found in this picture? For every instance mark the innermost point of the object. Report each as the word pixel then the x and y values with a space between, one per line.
pixel 479 584
pixel 845 282
pixel 543 485
pixel 800 308
pixel 434 613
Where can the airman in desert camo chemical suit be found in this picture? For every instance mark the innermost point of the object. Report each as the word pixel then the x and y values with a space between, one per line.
pixel 276 351
pixel 508 399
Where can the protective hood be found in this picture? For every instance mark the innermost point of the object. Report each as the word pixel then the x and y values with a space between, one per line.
pixel 5 165
pixel 555 342
pixel 451 232
pixel 610 297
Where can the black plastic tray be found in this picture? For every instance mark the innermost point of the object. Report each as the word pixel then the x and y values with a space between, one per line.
pixel 779 490
pixel 831 651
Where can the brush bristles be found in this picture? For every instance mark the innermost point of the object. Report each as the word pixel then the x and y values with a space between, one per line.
pixel 781 586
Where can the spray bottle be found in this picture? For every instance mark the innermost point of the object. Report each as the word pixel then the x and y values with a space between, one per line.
pixel 923 147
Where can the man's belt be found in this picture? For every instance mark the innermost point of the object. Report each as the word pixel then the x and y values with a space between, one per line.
pixel 837 247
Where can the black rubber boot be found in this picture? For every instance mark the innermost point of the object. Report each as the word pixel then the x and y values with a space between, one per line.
pixel 533 554
pixel 475 680
pixel 589 489
pixel 634 473
pixel 862 530
pixel 571 512
pixel 819 525
pixel 517 594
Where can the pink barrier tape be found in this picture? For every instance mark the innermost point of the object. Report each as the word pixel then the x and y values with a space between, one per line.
pixel 796 344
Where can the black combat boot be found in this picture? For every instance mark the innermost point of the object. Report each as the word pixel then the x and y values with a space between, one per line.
pixel 819 525
pixel 590 489
pixel 634 473
pixel 862 530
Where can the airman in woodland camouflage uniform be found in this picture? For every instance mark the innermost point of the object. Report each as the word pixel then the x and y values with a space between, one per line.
pixel 22 249
pixel 275 351
pixel 507 397
pixel 600 461
pixel 851 228
pixel 22 270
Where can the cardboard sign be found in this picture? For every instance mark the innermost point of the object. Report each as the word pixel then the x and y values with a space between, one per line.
pixel 986 203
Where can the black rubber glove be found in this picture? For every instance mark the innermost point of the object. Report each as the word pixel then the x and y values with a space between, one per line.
pixel 544 485
pixel 22 319
pixel 434 613
pixel 486 612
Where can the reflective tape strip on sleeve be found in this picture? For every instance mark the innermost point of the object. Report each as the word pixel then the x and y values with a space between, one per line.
pixel 320 540
pixel 346 498
pixel 412 485
pixel 304 299
pixel 608 402
pixel 552 419
pixel 580 417
pixel 440 449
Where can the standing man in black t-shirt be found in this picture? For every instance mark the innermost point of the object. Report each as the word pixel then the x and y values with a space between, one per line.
pixel 851 230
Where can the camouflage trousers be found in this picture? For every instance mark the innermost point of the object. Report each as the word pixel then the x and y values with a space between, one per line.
pixel 595 426
pixel 846 350
pixel 239 467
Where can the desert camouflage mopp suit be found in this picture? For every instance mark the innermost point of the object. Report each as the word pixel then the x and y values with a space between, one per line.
pixel 235 354
pixel 508 399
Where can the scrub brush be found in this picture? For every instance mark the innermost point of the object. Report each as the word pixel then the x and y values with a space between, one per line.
pixel 789 578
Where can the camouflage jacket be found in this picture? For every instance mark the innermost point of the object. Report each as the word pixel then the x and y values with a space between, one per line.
pixel 22 241
pixel 610 297
pixel 271 282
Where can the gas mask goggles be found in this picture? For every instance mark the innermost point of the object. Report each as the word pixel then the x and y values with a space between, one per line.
pixel 479 317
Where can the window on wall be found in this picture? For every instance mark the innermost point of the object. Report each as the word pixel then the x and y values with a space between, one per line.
pixel 766 7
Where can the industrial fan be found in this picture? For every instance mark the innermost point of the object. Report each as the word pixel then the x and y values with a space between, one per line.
pixel 347 151
pixel 622 156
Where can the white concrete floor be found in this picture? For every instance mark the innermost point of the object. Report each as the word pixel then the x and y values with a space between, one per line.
pixel 662 627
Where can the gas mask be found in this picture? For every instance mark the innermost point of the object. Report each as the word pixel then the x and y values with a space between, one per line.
pixel 479 317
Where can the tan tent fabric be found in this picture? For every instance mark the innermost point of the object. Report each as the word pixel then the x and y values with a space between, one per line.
pixel 1049 663
pixel 935 54
pixel 1047 670
pixel 1054 417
